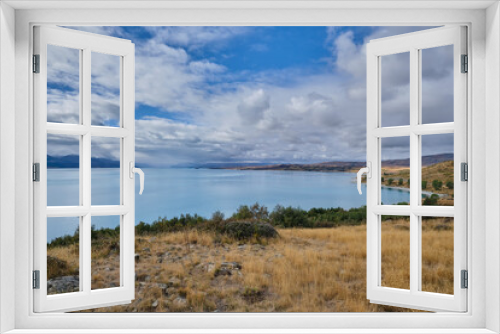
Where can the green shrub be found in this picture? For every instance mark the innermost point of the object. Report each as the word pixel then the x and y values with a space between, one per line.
pixel 436 184
pixel 243 230
pixel 424 184
pixel 431 200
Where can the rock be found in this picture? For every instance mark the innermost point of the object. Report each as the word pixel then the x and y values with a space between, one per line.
pixel 241 247
pixel 112 285
pixel 223 272
pixel 147 278
pixel 153 239
pixel 137 257
pixel 106 269
pixel 210 267
pixel 163 287
pixel 147 250
pixel 155 304
pixel 173 282
pixel 179 301
pixel 230 265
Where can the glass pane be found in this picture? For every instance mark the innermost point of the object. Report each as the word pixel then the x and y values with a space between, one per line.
pixel 63 255
pixel 63 174
pixel 437 84
pixel 395 178
pixel 395 82
pixel 395 248
pixel 105 89
pixel 437 169
pixel 105 252
pixel 105 171
pixel 437 254
pixel 63 85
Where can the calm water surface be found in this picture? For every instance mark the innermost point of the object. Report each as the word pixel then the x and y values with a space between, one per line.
pixel 172 192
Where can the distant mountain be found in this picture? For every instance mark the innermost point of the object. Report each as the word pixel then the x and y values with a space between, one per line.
pixel 73 161
pixel 344 166
pixel 427 160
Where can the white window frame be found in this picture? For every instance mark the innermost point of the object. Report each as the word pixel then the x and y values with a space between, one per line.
pixel 483 250
pixel 86 44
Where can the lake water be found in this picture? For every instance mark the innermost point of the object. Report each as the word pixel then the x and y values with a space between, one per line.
pixel 172 192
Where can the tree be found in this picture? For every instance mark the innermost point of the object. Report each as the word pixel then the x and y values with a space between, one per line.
pixel 389 182
pixel 436 184
pixel 382 179
pixel 400 182
pixel 431 200
pixel 424 184
pixel 408 182
pixel 449 185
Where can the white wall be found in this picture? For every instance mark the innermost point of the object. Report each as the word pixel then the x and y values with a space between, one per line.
pixel 492 163
pixel 7 162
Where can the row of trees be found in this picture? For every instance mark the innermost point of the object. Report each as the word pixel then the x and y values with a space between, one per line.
pixel 280 216
pixel 436 184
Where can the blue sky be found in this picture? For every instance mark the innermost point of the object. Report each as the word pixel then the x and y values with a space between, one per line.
pixel 241 94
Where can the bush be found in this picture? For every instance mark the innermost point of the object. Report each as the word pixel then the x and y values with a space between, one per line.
pixel 424 184
pixel 436 184
pixel 449 185
pixel 382 179
pixel 389 182
pixel 242 230
pixel 400 182
pixel 431 200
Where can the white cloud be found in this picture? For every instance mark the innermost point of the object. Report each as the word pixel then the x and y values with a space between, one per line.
pixel 286 115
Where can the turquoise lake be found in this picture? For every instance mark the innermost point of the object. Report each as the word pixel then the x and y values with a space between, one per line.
pixel 172 192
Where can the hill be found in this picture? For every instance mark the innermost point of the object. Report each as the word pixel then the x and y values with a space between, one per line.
pixel 344 166
pixel 73 161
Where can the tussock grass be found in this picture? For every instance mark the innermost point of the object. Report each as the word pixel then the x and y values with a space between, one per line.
pixel 303 270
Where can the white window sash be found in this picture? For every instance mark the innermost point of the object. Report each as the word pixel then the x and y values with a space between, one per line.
pixel 86 297
pixel 412 43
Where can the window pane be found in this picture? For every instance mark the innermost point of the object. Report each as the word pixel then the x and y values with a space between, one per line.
pixel 105 89
pixel 437 84
pixel 395 264
pixel 437 170
pixel 395 82
pixel 63 85
pixel 395 178
pixel 105 171
pixel 63 255
pixel 437 254
pixel 63 175
pixel 105 252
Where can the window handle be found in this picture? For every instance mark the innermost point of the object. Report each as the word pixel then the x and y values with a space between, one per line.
pixel 134 170
pixel 368 171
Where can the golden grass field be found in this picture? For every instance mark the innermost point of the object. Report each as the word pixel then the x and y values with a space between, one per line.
pixel 304 270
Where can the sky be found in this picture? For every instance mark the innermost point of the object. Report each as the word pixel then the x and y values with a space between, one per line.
pixel 249 94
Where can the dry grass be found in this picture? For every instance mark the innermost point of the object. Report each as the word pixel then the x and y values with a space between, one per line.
pixel 442 171
pixel 305 270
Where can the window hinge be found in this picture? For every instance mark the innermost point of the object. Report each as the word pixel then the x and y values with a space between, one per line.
pixel 465 279
pixel 36 279
pixel 36 172
pixel 464 171
pixel 36 63
pixel 465 63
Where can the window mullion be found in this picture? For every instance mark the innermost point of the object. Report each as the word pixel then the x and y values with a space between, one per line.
pixel 414 170
pixel 85 170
